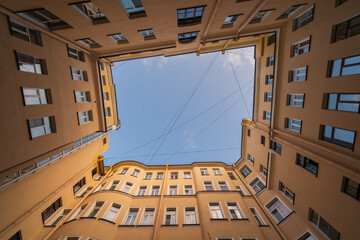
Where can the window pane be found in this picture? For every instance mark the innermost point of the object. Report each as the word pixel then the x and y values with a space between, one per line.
pixel 344 135
pixel 327 131
pixel 336 68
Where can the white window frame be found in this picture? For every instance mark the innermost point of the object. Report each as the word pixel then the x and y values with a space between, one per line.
pixel 257 214
pixel 81 191
pixel 87 118
pixel 138 190
pixel 41 96
pixel 192 189
pixel 294 100
pixel 111 183
pixel 221 210
pixel 240 189
pixel 196 215
pixel 177 190
pixel 185 176
pixel 123 171
pixel 108 210
pixel 80 76
pixel 100 187
pixel 281 202
pixel 127 215
pixel 92 208
pixel 226 184
pixel 176 216
pixel 291 124
pixel 174 175
pixel 297 48
pixel 147 174
pixel 211 185
pixel 303 234
pixel 135 173
pixel 77 55
pixel 58 214
pixel 47 127
pixel 204 171
pixel 146 33
pixel 152 189
pixel 217 171
pixel 143 216
pixel 122 188
pixel 241 213
pixel 159 174
pixel 251 159
pixel 78 212
pixel 259 178
pixel 295 74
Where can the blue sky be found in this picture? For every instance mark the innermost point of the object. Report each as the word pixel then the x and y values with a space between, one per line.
pixel 182 109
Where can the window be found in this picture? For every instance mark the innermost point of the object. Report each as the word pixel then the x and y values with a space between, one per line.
pixel 263 170
pixel 338 136
pixel 208 186
pixel 293 124
pixel 84 117
pixel 248 132
pixel 112 212
pixel 347 102
pixel 223 186
pixel 269 79
pixel 94 210
pixel 77 74
pixel 148 175
pixel 127 187
pixel 278 210
pixel 190 215
pixel 300 47
pixel 131 217
pixel 106 96
pixel 270 61
pixel 173 190
pixel 215 211
pixel 234 210
pixel 297 75
pixel 275 146
pixel 16 236
pixel 307 163
pixel 44 19
pixel 190 16
pixel 187 37
pixel 271 39
pixel 242 192
pixel 59 217
pixel 88 42
pixel 155 190
pixel 287 192
pixel 20 30
pixel 257 217
pixel 135 173
pixel 306 236
pixel 134 8
pixel 72 237
pixel 41 126
pixel 344 66
pixel 187 175
pixel 346 29
pixel 148 216
pixel 245 171
pixel 91 12
pixel 295 100
pixel 79 185
pixel 30 64
pixel 142 190
pixel 216 171
pixel 108 112
pixel 147 34
pixel 174 175
pixel 204 171
pixel 303 19
pixel 290 11
pixel 231 176
pixel 251 159
pixel 119 38
pixel 93 172
pixel 230 20
pixel 351 188
pixel 51 209
pixel 159 175
pixel 76 54
pixel 81 96
pixel 259 16
pixel 170 216
pixel 123 171
pixel 188 190
pixel 36 96
pixel 101 66
pixel 266 115
pixel 268 97
pixel 100 187
pixel 113 184
pixel 257 185
pixel 262 140
pixel 323 225
pixel 339 2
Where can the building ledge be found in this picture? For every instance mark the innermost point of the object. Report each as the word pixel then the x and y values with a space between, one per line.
pixel 69 221
pixel 191 225
pixel 125 226
pixel 218 219
pixel 172 225
pixel 105 220
pixel 239 219
pixel 88 218
pixel 145 225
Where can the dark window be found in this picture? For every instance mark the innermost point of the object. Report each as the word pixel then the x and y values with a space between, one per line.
pixel 79 185
pixel 134 8
pixel 245 171
pixel 269 79
pixel 307 163
pixel 51 209
pixel 338 136
pixel 231 175
pixel 27 63
pixel 248 132
pixel 119 38
pixel 101 65
pixel 45 19
pixel 290 11
pixel 270 61
pixel 300 47
pixel 351 188
pixel 275 146
pixel 293 124
pixel 303 19
pixel 147 34
pixel 259 16
pixel 263 140
pixel 271 39
pixel 88 42
pixel 323 225
pixel 93 172
pixel 346 29
pixel 91 11
pixel 344 66
pixel 230 20
pixel 267 97
pixel 187 37
pixel 104 141
pixel 76 54
pixel 16 236
pixel 346 102
pixel 339 2
pixel 22 31
pixel 190 16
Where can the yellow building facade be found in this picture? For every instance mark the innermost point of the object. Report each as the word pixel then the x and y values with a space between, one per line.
pixel 298 177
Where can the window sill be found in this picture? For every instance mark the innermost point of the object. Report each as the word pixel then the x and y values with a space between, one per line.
pixel 88 218
pixel 264 225
pixel 129 226
pixel 239 219
pixel 69 221
pixel 170 225
pixel 145 225
pixel 105 220
pixel 191 225
pixel 218 219
pixel 49 226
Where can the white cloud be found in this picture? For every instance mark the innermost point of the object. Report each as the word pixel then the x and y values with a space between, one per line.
pixel 189 135
pixel 163 61
pixel 147 62
pixel 239 58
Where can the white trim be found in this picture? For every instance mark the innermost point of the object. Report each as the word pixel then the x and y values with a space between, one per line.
pixel 242 215
pixel 78 213
pixel 176 216
pixel 187 172
pixel 279 199
pixel 54 217
pixel 92 208
pixel 122 187
pixel 108 209
pixel 249 183
pixel 196 214
pixel 211 184
pixel 111 183
pixel 307 231
pixel 241 189
pixel 80 237
pixel 192 188
pixel 101 186
pixel 220 173
pixel 258 215
pixel 138 189
pixel 177 189
pixel 143 214
pixel 83 189
pixel 151 189
pixel 127 214
pixel 221 209
pixel 227 185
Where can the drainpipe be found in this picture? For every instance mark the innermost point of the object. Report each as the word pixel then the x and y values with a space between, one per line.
pixel 160 205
